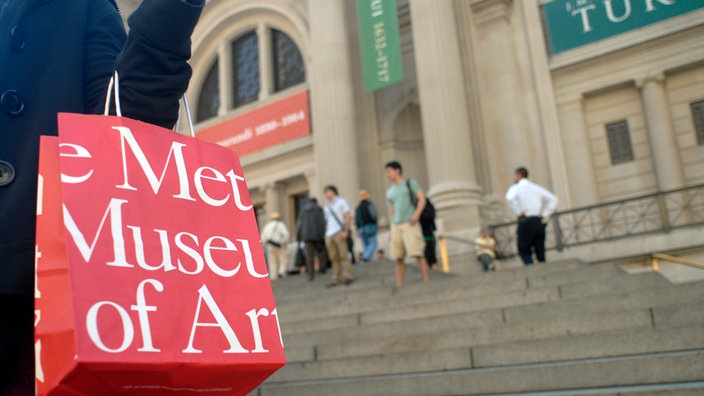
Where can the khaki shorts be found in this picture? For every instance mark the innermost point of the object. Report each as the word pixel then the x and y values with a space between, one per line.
pixel 407 240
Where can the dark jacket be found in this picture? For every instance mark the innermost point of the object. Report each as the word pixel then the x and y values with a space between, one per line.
pixel 365 214
pixel 311 223
pixel 57 56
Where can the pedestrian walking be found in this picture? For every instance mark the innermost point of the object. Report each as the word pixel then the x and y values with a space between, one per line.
pixel 275 237
pixel 406 233
pixel 310 229
pixel 338 220
pixel 366 221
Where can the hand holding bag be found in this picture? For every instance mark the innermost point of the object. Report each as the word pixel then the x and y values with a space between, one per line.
pixel 150 274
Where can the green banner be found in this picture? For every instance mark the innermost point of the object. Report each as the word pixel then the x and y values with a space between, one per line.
pixel 380 43
pixel 573 23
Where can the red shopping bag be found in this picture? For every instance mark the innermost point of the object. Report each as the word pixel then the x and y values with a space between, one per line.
pixel 150 273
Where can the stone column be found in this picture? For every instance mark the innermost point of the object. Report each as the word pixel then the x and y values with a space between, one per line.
pixel 332 98
pixel 506 134
pixel 314 187
pixel 225 77
pixel 273 199
pixel 578 156
pixel 265 75
pixel 663 142
pixel 444 108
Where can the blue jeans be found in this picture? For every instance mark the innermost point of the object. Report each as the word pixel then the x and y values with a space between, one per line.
pixel 368 234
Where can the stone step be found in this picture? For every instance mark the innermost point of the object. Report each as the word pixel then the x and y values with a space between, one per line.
pixel 382 364
pixel 584 329
pixel 601 345
pixel 666 392
pixel 590 346
pixel 343 300
pixel 587 273
pixel 679 315
pixel 322 315
pixel 662 317
pixel 448 299
pixel 695 388
pixel 392 311
pixel 620 284
pixel 420 326
pixel 660 297
pixel 373 276
pixel 670 367
pixel 372 300
pixel 333 345
pixel 301 339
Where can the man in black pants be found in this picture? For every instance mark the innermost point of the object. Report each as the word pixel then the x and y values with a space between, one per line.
pixel 533 206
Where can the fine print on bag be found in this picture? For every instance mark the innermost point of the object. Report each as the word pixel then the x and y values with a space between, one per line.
pixel 151 277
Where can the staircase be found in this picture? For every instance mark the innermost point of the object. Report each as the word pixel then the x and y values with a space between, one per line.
pixel 563 328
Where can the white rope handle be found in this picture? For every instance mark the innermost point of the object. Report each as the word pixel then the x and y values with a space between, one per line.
pixel 114 88
pixel 188 116
pixel 187 109
pixel 114 83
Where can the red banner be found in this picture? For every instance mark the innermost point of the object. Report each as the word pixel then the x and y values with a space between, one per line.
pixel 265 127
pixel 157 283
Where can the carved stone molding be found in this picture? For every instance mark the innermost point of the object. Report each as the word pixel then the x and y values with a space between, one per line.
pixel 488 12
pixel 654 77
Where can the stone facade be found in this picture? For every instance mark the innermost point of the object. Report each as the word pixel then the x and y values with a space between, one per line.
pixel 481 95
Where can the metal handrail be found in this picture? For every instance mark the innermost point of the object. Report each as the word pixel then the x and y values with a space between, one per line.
pixel 658 212
pixel 656 257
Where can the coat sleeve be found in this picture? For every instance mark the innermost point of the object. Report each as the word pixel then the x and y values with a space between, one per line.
pixel 153 63
pixel 105 37
pixel 298 226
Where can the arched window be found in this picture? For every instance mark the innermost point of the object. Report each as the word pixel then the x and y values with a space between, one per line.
pixel 283 68
pixel 245 69
pixel 209 97
pixel 289 69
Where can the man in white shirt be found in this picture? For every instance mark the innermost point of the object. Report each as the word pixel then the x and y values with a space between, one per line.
pixel 338 221
pixel 533 206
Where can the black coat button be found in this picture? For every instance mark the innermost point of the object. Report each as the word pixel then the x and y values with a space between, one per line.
pixel 18 39
pixel 11 102
pixel 7 173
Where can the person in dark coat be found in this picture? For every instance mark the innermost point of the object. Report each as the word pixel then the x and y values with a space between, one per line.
pixel 310 228
pixel 365 218
pixel 58 56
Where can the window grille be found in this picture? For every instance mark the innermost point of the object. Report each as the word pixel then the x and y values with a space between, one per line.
pixel 245 69
pixel 698 117
pixel 619 139
pixel 209 97
pixel 288 66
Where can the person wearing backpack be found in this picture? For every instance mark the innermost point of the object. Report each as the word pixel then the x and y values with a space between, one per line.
pixel 365 218
pixel 405 210
pixel 427 226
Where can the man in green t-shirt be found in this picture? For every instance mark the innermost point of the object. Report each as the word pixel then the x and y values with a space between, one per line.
pixel 406 235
